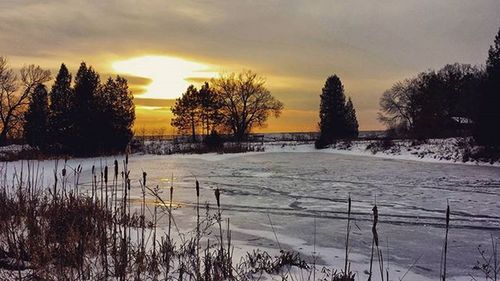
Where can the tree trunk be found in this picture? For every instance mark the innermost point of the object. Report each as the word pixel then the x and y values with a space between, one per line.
pixel 3 136
pixel 208 127
pixel 239 135
pixel 193 132
pixel 5 129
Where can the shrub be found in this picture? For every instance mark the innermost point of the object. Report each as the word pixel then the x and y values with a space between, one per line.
pixel 214 141
pixel 382 145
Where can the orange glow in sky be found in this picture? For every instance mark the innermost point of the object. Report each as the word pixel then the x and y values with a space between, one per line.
pixel 170 75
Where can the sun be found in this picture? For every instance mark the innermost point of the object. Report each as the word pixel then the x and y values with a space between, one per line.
pixel 170 76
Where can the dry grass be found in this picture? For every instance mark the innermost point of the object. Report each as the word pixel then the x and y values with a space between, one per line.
pixel 68 231
pixel 71 232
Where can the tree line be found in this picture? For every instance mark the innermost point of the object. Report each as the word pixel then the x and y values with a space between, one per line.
pixel 81 116
pixel 230 104
pixel 457 100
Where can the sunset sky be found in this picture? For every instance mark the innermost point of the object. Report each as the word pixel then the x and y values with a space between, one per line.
pixel 163 46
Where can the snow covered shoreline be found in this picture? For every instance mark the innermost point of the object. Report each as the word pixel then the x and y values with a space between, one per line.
pixel 434 150
pixel 448 151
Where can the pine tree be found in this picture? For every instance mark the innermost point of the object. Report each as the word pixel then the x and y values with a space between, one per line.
pixel 493 61
pixel 351 120
pixel 123 113
pixel 186 112
pixel 116 111
pixel 36 118
pixel 210 107
pixel 105 102
pixel 84 110
pixel 332 112
pixel 60 121
pixel 488 118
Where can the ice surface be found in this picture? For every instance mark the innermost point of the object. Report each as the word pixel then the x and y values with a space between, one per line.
pixel 290 188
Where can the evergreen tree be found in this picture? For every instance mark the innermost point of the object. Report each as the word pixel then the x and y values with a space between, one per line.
pixel 123 113
pixel 187 112
pixel 488 118
pixel 210 106
pixel 352 125
pixel 116 113
pixel 334 114
pixel 84 111
pixel 36 118
pixel 60 121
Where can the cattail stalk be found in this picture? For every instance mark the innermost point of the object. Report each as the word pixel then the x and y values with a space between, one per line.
pixel 170 205
pixel 219 217
pixel 445 251
pixel 143 209
pixel 347 235
pixel 106 185
pixel 229 255
pixel 198 230
pixel 154 232
pixel 93 183
pixel 374 239
pixel 55 181
pixel 170 221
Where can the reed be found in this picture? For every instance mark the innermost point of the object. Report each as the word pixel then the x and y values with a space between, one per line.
pixel 375 242
pixel 445 246
pixel 77 235
pixel 198 271
pixel 348 231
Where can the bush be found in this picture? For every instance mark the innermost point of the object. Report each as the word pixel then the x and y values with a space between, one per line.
pixel 214 141
pixel 382 145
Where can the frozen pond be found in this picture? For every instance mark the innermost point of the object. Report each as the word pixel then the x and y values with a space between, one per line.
pixel 304 195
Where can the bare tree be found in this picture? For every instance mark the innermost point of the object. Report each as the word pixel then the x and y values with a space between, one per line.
pixel 395 105
pixel 15 94
pixel 246 102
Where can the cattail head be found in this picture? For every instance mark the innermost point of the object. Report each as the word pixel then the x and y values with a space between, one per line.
pixel 93 169
pixel 128 183
pixel 197 189
pixel 64 172
pixel 144 175
pixel 349 204
pixel 172 185
pixel 217 196
pixel 375 214
pixel 116 168
pixel 106 174
pixel 126 158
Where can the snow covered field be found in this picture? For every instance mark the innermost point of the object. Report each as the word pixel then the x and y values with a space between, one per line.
pixel 302 193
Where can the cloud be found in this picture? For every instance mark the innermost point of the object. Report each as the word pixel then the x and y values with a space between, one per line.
pixel 296 44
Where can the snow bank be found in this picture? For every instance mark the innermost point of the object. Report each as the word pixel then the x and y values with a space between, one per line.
pixel 452 150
